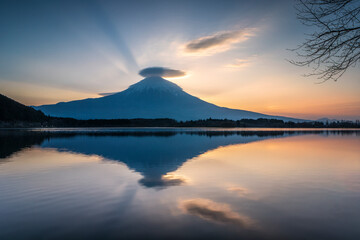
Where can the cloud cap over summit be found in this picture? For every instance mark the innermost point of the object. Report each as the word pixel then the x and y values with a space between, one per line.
pixel 161 72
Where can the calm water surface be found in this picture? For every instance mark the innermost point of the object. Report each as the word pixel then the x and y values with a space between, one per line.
pixel 179 184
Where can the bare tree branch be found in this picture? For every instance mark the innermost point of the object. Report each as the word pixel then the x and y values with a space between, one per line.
pixel 335 45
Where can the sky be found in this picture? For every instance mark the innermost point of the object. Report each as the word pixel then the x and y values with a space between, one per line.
pixel 233 53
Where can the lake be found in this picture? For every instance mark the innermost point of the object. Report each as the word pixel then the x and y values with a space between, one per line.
pixel 179 184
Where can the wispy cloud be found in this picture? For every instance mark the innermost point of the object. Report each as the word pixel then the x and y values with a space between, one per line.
pixel 107 94
pixel 240 191
pixel 213 211
pixel 241 63
pixel 218 42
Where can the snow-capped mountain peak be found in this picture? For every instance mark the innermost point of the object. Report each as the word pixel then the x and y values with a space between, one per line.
pixel 154 83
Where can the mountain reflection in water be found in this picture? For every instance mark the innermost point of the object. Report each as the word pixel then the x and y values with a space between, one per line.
pixel 179 184
pixel 151 153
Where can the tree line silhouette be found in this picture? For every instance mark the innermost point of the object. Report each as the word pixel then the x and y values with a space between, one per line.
pixel 48 121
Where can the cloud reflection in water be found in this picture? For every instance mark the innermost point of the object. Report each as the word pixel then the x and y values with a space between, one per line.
pixel 215 212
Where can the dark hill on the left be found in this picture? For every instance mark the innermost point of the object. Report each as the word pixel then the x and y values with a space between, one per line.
pixel 12 111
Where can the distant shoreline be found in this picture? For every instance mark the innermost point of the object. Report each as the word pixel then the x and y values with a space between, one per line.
pixel 53 122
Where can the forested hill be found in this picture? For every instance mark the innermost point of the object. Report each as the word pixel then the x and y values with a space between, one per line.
pixel 11 111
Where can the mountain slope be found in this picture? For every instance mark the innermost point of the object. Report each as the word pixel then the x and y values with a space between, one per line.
pixel 153 97
pixel 10 111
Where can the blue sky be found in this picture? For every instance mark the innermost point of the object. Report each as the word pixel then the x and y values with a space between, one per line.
pixel 232 51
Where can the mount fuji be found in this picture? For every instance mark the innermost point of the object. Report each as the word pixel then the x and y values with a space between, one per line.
pixel 153 97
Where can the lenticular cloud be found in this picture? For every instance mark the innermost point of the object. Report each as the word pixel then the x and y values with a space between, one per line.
pixel 161 72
